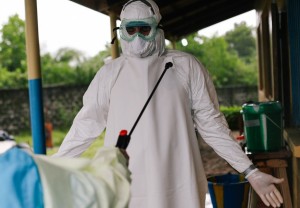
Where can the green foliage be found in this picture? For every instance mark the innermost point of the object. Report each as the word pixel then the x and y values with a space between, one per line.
pixel 12 45
pixel 97 61
pixel 221 64
pixel 241 40
pixel 249 72
pixel 24 137
pixel 12 79
pixel 232 115
pixel 70 56
pixel 230 59
pixel 68 66
pixel 194 45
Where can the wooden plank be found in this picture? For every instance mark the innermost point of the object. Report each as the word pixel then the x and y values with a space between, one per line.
pixel 292 136
pixel 282 154
pixel 296 181
pixel 275 163
pixel 284 187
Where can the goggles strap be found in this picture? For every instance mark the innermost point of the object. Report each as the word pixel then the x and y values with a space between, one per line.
pixel 160 26
pixel 114 38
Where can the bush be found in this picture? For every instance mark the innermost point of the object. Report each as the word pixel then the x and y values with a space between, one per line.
pixel 15 79
pixel 233 116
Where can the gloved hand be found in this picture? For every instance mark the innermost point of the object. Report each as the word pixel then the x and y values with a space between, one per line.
pixel 263 184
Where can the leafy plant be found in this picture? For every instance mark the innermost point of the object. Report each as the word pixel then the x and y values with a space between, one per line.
pixel 232 115
pixel 13 79
pixel 12 45
pixel 68 66
pixel 230 59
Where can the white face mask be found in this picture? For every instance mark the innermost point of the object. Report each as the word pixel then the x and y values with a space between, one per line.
pixel 141 48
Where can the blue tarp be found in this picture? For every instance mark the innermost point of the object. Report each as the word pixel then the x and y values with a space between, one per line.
pixel 20 180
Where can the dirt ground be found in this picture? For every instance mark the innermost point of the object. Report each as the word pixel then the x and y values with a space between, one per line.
pixel 213 163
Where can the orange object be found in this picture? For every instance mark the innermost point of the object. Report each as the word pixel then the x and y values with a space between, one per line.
pixel 240 138
pixel 48 132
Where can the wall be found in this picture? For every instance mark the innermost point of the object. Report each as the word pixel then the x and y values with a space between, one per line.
pixel 61 104
pixel 237 95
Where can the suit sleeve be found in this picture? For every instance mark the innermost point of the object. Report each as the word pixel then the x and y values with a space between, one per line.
pixel 91 119
pixel 210 122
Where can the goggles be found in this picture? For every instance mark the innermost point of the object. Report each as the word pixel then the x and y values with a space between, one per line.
pixel 144 28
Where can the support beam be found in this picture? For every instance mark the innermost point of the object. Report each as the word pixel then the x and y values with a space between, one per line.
pixel 114 47
pixel 34 78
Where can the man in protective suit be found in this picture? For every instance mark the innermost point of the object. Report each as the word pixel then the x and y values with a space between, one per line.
pixel 165 162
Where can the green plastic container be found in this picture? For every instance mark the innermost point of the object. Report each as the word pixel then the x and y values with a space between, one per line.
pixel 263 126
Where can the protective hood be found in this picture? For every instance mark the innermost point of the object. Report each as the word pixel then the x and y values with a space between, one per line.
pixel 138 46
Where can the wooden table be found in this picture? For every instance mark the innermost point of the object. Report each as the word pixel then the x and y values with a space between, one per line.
pixel 276 164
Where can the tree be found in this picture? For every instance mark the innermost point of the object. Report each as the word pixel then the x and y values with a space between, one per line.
pixel 223 62
pixel 63 68
pixel 71 56
pixel 12 45
pixel 69 66
pixel 223 66
pixel 96 62
pixel 241 40
pixel 194 45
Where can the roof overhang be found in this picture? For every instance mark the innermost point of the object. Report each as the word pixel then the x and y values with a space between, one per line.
pixel 181 17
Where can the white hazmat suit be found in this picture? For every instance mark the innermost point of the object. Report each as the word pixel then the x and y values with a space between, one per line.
pixel 165 161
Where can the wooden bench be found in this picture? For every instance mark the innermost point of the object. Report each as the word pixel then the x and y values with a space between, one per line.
pixel 276 164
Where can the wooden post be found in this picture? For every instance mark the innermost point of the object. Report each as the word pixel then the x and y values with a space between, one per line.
pixel 34 78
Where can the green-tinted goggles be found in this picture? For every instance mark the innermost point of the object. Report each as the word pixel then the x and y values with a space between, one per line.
pixel 144 28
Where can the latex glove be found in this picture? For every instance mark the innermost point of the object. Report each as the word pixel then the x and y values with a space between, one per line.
pixel 263 184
